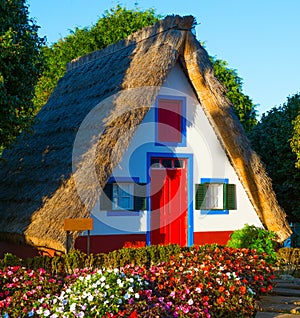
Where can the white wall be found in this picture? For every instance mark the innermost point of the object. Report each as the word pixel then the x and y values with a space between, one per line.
pixel 210 161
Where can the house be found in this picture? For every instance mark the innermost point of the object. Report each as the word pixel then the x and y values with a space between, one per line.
pixel 141 138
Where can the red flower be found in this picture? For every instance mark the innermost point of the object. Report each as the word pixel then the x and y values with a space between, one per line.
pixel 133 315
pixel 221 289
pixel 243 290
pixel 220 300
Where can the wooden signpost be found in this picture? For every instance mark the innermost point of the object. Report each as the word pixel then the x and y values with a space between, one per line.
pixel 79 224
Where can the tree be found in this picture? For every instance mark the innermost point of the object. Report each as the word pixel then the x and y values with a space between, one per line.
pixel 116 24
pixel 271 140
pixel 244 107
pixel 295 141
pixel 20 67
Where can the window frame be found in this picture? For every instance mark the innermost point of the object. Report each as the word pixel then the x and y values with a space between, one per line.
pixel 182 99
pixel 122 194
pixel 139 197
pixel 226 185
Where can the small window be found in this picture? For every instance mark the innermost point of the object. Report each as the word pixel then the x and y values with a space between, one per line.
pixel 178 163
pixel 167 163
pixel 215 197
pixel 122 196
pixel 155 163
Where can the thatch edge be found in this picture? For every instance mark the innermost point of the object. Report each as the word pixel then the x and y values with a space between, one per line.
pixel 245 161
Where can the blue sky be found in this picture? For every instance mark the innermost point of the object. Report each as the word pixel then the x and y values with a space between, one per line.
pixel 258 38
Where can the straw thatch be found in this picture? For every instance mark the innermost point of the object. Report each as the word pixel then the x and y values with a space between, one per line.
pixel 39 185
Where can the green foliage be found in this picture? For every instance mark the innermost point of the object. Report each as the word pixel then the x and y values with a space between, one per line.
pixel 271 140
pixel 116 24
pixel 243 105
pixel 255 238
pixel 295 141
pixel 20 67
pixel 10 260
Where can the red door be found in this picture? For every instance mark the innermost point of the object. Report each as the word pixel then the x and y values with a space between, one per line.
pixel 168 201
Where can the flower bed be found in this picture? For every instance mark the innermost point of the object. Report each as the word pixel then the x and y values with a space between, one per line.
pixel 198 282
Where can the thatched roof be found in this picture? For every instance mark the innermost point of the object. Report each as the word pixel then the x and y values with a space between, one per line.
pixel 38 187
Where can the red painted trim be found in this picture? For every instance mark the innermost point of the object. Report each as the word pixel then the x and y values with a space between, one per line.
pixel 107 243
pixel 219 237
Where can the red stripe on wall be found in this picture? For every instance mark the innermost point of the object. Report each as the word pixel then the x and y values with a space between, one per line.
pixel 107 243
pixel 22 251
pixel 219 237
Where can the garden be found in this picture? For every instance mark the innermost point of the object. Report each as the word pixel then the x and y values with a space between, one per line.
pixel 152 281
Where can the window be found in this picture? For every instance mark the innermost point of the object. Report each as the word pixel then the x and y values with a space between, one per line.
pixel 123 196
pixel 170 119
pixel 167 163
pixel 215 196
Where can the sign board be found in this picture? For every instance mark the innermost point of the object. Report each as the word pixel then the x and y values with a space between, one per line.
pixel 80 224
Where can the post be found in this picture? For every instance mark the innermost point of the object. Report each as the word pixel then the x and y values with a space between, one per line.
pixel 88 243
pixel 67 242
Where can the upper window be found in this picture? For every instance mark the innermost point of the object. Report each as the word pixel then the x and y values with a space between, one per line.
pixel 215 196
pixel 170 117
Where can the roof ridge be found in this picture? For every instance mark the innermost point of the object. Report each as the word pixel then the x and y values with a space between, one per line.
pixel 170 22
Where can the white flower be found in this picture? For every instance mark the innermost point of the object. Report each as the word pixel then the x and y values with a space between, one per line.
pixel 107 286
pixel 90 298
pixel 198 290
pixel 81 278
pixel 121 285
pixel 47 313
pixel 39 311
pixel 130 289
pixel 60 309
pixel 137 295
pixel 116 270
pixel 190 301
pixel 102 279
pixel 119 281
pixel 54 316
pixel 73 308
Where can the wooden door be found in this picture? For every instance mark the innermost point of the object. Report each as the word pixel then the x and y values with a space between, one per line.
pixel 169 220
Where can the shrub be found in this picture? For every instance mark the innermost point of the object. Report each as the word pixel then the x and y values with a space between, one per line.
pixel 255 238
